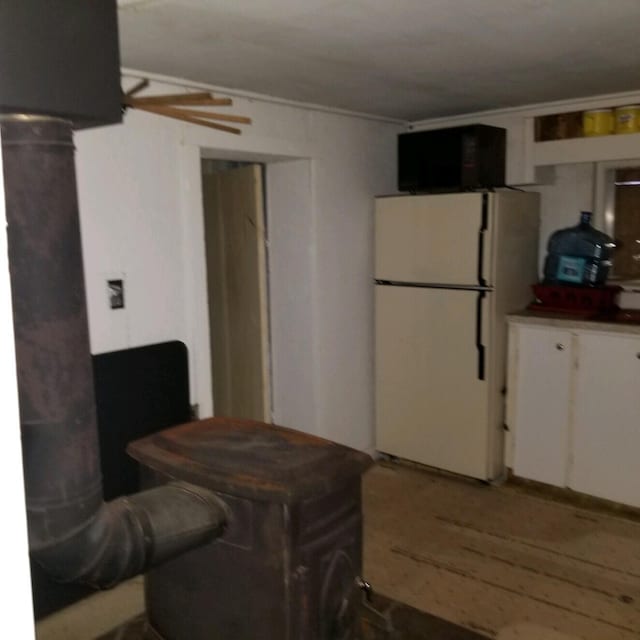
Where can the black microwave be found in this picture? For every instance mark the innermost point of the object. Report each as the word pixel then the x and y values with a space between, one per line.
pixel 453 159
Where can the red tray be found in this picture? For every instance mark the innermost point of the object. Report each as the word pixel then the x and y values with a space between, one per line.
pixel 578 300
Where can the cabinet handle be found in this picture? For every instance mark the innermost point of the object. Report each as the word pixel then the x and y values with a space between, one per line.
pixel 560 347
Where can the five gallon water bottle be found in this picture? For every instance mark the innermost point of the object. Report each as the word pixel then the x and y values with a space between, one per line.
pixel 579 255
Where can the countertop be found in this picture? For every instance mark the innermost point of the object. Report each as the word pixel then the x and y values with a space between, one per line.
pixel 621 321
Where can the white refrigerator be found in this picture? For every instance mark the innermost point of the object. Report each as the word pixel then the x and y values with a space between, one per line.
pixel 448 269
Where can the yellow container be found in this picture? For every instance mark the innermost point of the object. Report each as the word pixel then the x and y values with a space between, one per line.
pixel 597 122
pixel 627 119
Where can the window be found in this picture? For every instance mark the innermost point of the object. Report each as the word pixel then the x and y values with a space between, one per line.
pixel 618 191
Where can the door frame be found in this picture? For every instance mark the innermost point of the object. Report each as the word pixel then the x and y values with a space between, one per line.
pixel 292 399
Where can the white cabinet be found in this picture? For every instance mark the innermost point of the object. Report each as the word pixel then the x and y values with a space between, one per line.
pixel 539 413
pixel 606 418
pixel 573 407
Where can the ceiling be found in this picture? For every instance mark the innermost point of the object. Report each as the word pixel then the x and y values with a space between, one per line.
pixel 405 59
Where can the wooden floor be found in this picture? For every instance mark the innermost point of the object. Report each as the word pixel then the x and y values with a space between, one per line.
pixel 497 560
pixel 500 560
pixel 383 619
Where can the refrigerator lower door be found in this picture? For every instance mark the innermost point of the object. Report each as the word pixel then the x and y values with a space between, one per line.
pixel 432 394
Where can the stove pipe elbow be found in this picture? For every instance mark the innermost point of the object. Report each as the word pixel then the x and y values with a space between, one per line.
pixel 128 535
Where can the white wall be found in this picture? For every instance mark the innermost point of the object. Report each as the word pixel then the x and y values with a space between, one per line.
pixel 527 160
pixel 141 212
pixel 344 258
pixel 129 195
pixel 569 185
pixel 141 215
pixel 292 296
pixel 562 201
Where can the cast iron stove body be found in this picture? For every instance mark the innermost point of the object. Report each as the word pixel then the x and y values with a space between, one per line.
pixel 286 568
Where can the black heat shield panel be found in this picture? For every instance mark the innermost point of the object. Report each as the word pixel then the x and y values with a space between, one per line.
pixel 138 391
pixel 61 59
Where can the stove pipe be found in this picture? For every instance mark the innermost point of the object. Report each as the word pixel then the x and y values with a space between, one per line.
pixel 73 534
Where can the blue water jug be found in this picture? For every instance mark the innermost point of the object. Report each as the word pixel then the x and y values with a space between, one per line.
pixel 579 255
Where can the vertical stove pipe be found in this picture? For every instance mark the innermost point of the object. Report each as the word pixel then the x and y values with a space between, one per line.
pixel 73 534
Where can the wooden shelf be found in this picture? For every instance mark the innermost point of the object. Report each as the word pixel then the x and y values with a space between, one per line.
pixel 591 149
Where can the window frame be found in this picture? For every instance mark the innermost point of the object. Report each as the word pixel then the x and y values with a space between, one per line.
pixel 604 196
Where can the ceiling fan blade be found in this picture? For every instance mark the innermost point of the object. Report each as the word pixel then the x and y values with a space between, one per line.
pixel 176 114
pixel 201 98
pixel 143 84
pixel 208 115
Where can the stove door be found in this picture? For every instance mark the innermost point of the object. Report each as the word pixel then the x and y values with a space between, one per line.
pixel 329 560
pixel 340 599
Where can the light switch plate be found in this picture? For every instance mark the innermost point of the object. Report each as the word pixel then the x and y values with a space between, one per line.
pixel 115 290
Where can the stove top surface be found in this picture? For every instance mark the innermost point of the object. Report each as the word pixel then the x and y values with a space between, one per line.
pixel 251 459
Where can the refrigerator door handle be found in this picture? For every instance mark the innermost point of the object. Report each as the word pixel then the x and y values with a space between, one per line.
pixel 484 225
pixel 479 345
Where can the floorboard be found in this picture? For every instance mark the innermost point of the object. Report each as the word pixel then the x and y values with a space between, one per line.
pixel 499 560
pixel 454 559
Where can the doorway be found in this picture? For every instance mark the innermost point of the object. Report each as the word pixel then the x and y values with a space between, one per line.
pixel 235 245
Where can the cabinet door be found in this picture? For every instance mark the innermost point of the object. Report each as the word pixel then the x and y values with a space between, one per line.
pixel 539 403
pixel 606 421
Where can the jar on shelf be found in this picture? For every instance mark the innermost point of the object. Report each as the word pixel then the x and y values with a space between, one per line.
pixel 597 122
pixel 627 119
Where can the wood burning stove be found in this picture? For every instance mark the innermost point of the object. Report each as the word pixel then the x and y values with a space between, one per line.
pixel 287 566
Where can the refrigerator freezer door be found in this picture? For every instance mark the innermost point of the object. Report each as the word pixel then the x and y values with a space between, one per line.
pixel 431 403
pixel 436 239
